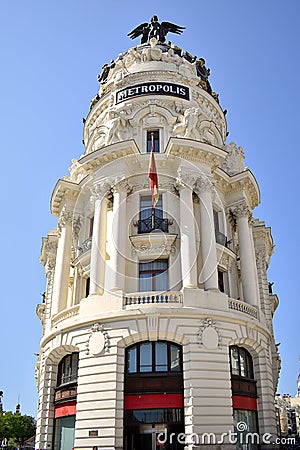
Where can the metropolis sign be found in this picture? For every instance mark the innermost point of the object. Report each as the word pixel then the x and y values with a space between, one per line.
pixel 154 88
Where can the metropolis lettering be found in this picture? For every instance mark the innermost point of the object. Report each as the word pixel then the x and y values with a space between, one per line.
pixel 172 89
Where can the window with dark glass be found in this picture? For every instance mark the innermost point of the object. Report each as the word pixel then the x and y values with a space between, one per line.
pixel 87 286
pixel 221 280
pixel 241 362
pixel 153 276
pixel 220 237
pixel 172 415
pixel 155 135
pixel 249 418
pixel 67 369
pixel 151 219
pixel 91 226
pixel 156 357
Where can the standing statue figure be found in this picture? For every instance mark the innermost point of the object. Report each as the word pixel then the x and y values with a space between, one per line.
pixel 155 29
pixel 203 73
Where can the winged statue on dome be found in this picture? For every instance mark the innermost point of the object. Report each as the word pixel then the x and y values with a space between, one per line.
pixel 154 29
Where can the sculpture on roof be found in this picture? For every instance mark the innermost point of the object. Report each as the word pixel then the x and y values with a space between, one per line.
pixel 154 29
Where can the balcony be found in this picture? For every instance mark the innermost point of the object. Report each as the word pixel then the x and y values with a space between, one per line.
pixel 85 246
pixel 152 223
pixel 153 298
pixel 221 239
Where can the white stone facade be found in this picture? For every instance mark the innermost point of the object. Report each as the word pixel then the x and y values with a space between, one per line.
pixel 200 176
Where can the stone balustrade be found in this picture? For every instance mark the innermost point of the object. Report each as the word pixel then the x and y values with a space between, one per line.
pixel 147 298
pixel 238 305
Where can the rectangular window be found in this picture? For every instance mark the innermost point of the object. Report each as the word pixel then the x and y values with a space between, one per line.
pixel 64 433
pixel 220 237
pixel 161 357
pixel 151 219
pixel 175 358
pixel 132 360
pixel 234 357
pixel 153 276
pixel 146 357
pixel 87 286
pixel 221 280
pixel 91 226
pixel 249 437
pixel 155 135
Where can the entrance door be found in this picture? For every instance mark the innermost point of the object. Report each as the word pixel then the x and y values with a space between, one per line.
pixel 149 437
pixel 153 437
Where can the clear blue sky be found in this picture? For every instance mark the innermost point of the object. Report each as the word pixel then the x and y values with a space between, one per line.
pixel 51 53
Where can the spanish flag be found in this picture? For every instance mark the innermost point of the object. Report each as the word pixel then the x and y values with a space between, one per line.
pixel 152 174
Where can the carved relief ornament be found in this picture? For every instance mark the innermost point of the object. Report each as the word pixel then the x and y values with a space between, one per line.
pixel 208 335
pixel 98 340
pixel 240 210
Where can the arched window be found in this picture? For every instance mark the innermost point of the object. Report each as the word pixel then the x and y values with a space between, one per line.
pixel 67 370
pixel 241 363
pixel 147 357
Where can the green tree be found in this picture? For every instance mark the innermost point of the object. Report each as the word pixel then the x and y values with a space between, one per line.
pixel 16 427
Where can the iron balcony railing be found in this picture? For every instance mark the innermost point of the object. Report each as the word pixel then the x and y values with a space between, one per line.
pixel 153 223
pixel 221 239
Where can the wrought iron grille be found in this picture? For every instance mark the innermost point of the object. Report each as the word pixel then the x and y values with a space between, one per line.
pixel 152 223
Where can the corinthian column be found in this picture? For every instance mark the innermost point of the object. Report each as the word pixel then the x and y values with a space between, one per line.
pixel 203 189
pixel 242 214
pixel 62 265
pixel 98 251
pixel 119 235
pixel 187 231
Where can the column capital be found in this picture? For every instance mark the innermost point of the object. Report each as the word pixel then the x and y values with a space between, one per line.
pixel 203 184
pixel 65 218
pixel 121 186
pixel 239 210
pixel 100 190
pixel 186 178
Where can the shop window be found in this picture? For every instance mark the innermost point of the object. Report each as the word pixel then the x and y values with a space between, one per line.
pixel 67 370
pixel 64 433
pixel 158 357
pixel 248 439
pixel 153 276
pixel 153 136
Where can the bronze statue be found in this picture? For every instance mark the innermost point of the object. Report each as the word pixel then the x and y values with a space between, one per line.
pixel 155 29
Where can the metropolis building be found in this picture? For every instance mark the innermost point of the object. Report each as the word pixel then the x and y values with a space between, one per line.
pixel 156 322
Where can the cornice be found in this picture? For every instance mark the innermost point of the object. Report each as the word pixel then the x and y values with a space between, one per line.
pixel 196 151
pixel 243 182
pixel 62 188
pixel 106 155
